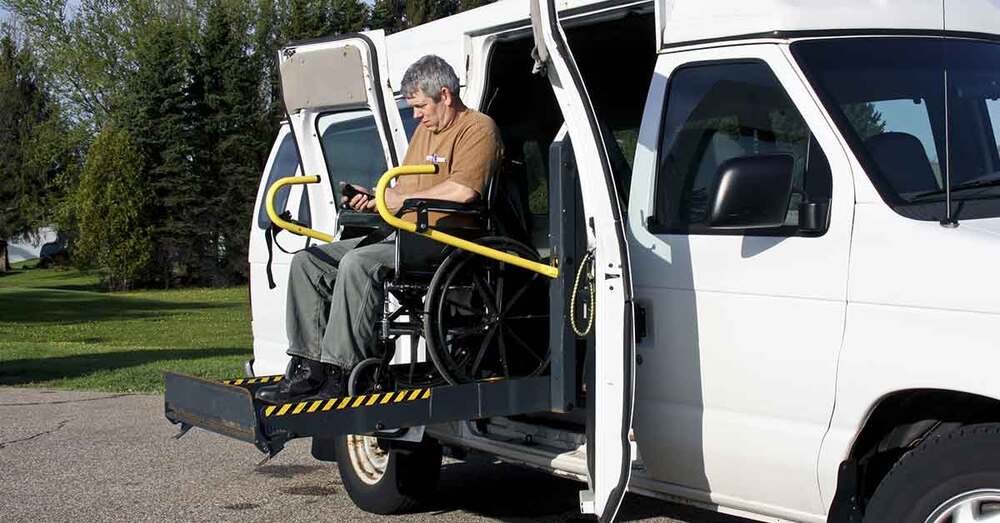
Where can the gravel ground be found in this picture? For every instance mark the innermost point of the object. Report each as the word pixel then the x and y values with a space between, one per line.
pixel 87 456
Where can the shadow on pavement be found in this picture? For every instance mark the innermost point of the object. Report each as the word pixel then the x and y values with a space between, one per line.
pixel 49 306
pixel 512 493
pixel 24 371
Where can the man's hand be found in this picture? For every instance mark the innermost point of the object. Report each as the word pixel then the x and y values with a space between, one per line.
pixel 357 198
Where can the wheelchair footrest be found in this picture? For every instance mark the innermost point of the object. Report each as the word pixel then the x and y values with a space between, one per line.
pixel 230 409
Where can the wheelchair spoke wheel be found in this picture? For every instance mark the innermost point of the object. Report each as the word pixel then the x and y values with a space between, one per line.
pixel 486 319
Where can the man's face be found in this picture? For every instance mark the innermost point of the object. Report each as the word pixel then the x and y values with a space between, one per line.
pixel 430 114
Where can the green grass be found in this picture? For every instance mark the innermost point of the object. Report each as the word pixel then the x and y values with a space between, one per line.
pixel 58 330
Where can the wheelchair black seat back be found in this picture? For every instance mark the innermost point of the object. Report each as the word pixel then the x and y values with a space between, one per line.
pixel 480 319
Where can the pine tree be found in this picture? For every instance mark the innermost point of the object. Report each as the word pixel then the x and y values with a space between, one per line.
pixel 230 155
pixel 388 15
pixel 157 111
pixel 29 121
pixel 865 119
pixel 396 15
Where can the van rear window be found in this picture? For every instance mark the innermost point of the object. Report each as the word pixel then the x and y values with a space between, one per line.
pixel 352 147
pixel 286 162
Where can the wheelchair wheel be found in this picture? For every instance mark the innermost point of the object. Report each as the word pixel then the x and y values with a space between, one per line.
pixel 485 319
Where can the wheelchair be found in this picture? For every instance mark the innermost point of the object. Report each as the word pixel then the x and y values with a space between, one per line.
pixel 479 319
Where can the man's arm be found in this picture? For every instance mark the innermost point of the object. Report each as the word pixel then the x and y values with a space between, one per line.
pixel 446 190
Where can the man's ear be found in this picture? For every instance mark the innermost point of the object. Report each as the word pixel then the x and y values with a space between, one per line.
pixel 447 97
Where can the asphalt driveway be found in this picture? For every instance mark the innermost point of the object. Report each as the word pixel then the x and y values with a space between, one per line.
pixel 86 456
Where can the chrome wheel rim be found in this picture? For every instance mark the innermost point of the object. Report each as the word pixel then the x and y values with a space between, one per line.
pixel 367 458
pixel 977 506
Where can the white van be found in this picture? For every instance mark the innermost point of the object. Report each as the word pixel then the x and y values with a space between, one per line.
pixel 794 210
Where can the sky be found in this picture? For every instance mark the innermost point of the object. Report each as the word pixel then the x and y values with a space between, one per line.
pixel 70 3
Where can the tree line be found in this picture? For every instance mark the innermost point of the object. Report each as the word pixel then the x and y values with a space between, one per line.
pixel 139 128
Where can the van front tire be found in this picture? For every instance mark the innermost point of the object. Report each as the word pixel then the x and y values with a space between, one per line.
pixel 947 478
pixel 385 477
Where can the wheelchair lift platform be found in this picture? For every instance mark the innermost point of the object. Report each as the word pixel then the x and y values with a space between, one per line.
pixel 229 408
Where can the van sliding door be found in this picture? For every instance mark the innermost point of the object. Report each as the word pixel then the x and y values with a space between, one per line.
pixel 611 449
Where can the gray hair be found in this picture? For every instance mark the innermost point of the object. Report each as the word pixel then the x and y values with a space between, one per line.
pixel 429 74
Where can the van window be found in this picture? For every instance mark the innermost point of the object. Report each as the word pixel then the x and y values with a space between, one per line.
pixel 718 112
pixel 406 115
pixel 956 82
pixel 286 162
pixel 909 116
pixel 993 109
pixel 352 148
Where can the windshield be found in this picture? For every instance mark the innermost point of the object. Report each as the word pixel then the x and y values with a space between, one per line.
pixel 888 96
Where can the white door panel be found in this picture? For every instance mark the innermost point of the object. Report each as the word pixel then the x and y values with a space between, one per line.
pixel 346 77
pixel 268 304
pixel 736 387
pixel 613 387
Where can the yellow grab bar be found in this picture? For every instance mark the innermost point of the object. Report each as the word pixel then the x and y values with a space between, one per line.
pixel 454 241
pixel 288 226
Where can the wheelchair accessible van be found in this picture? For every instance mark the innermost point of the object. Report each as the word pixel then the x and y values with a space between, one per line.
pixel 468 291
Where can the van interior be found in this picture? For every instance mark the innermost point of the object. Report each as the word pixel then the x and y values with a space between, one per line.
pixel 616 58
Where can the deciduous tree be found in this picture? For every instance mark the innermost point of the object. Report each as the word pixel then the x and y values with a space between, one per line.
pixel 113 203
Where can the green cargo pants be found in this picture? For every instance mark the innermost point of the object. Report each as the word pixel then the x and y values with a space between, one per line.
pixel 335 294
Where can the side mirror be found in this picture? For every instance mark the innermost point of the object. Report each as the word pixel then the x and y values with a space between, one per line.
pixel 751 192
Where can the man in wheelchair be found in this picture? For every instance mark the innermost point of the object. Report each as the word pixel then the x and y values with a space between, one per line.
pixel 336 291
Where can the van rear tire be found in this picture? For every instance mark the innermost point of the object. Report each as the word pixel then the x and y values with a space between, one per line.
pixel 943 476
pixel 386 477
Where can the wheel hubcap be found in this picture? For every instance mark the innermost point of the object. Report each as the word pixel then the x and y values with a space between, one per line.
pixel 977 506
pixel 367 458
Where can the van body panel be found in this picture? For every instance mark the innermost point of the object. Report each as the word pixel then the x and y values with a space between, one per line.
pixel 914 321
pixel 268 314
pixel 972 15
pixel 899 262
pixel 744 331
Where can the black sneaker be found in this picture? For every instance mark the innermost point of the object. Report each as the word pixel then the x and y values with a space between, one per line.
pixel 301 381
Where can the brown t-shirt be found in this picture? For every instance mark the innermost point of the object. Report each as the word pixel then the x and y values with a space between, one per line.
pixel 467 152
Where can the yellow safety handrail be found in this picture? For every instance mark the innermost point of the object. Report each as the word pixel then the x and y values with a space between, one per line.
pixel 454 241
pixel 288 226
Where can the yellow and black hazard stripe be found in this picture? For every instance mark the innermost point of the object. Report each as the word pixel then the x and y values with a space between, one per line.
pixel 348 402
pixel 248 381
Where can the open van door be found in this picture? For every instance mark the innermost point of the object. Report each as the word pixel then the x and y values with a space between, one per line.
pixel 342 113
pixel 611 447
pixel 344 127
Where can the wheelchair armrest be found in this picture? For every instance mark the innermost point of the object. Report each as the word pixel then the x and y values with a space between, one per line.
pixel 424 206
pixel 359 219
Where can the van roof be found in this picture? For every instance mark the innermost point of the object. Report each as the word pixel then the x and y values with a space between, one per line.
pixel 445 37
pixel 691 21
